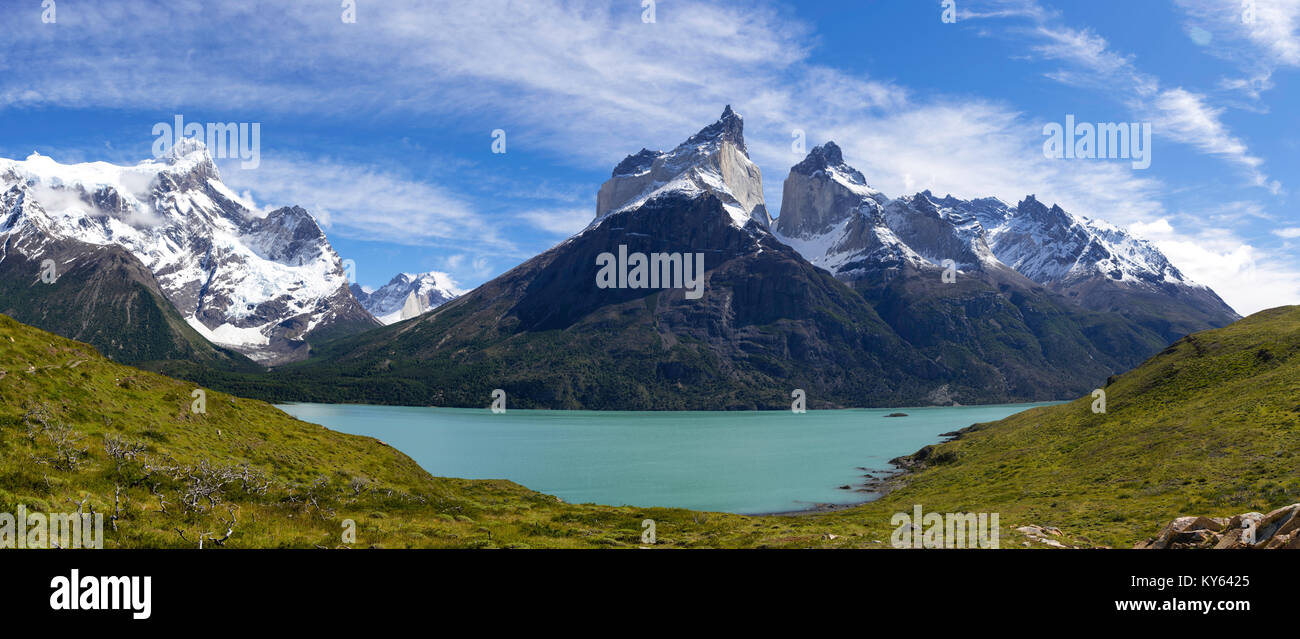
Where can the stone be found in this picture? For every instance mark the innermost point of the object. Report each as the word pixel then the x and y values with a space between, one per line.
pixel 1206 523
pixel 1274 522
pixel 1230 539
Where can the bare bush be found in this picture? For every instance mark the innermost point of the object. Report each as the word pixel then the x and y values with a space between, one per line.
pixel 122 450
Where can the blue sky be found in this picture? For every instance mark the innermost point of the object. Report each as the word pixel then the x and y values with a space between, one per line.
pixel 383 127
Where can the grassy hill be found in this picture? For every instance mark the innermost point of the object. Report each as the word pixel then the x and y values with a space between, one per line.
pixel 1209 426
pixel 287 482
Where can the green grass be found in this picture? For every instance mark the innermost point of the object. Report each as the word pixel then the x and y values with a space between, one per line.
pixel 1210 426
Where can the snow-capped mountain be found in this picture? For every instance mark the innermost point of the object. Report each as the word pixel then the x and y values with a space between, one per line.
pixel 1050 246
pixel 256 283
pixel 714 160
pixel 838 222
pixel 548 333
pixel 834 219
pixel 408 295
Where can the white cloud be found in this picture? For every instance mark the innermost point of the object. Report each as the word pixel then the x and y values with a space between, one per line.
pixel 559 221
pixel 1263 41
pixel 368 203
pixel 1247 278
pixel 1185 117
pixel 1289 233
pixel 1148 230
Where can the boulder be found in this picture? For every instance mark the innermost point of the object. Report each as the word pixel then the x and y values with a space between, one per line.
pixel 1280 521
pixel 1278 529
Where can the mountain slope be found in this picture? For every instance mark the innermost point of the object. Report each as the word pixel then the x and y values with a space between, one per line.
pixel 99 294
pixel 259 284
pixel 125 444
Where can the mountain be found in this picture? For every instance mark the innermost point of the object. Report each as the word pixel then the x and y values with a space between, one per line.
pixel 407 295
pixel 1097 265
pixel 838 222
pixel 259 284
pixel 999 330
pixel 553 334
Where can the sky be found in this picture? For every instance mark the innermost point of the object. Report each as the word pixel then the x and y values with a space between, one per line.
pixel 381 117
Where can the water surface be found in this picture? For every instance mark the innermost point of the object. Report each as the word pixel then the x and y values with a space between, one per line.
pixel 743 462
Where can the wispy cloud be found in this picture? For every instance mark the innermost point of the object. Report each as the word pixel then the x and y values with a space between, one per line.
pixel 369 203
pixel 559 221
pixel 1088 60
pixel 1259 37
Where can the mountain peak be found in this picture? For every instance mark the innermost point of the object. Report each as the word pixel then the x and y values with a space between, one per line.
pixel 821 157
pixel 730 127
pixel 711 161
pixel 186 147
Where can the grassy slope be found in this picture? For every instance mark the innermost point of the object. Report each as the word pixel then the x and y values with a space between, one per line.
pixel 1210 426
pixel 401 505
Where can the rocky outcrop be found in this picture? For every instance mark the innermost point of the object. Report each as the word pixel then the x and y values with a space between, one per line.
pixel 1277 529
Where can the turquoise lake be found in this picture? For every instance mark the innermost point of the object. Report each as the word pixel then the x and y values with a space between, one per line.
pixel 741 462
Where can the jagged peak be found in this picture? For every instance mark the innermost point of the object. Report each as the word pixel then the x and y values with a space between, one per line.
pixel 830 159
pixel 730 127
pixel 186 147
